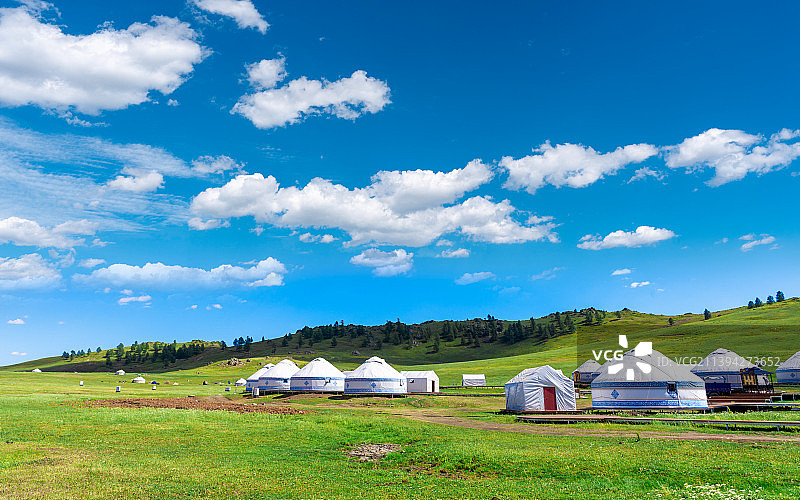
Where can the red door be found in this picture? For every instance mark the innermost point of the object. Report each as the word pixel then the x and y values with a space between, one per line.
pixel 549 398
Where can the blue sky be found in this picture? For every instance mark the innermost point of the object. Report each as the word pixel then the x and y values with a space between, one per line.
pixel 216 168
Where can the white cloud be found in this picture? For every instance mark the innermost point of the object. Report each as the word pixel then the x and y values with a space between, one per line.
pixel 572 165
pixel 242 11
pixel 257 230
pixel 91 263
pixel 316 238
pixel 637 284
pixel 15 353
pixel 469 278
pixel 457 253
pixel 644 173
pixel 123 301
pixel 207 165
pixel 27 272
pixel 734 153
pixel 753 241
pixel 214 306
pixel 384 264
pixel 107 70
pixel 621 272
pixel 547 274
pixel 138 181
pixel 644 235
pixel 192 307
pixel 172 102
pixel 199 224
pixel 18 321
pixel 721 242
pixel 126 291
pixel 25 232
pixel 373 214
pixel 268 272
pixel 272 106
pixel 444 243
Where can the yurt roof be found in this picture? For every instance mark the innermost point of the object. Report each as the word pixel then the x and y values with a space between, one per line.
pixel 430 374
pixel 241 381
pixel 36 370
pixel 662 369
pixel 139 378
pixel 374 367
pixel 319 367
pixel 543 374
pixel 589 365
pixel 284 369
pixel 470 376
pixel 722 361
pixel 793 363
pixel 261 371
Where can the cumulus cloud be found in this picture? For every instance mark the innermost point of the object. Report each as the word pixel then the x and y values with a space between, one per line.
pixel 268 272
pixel 110 69
pixel 385 264
pixel 547 274
pixel 15 353
pixel 644 235
pixel 199 224
pixel 214 307
pixel 138 181
pixel 18 321
pixel 27 272
pixel 734 153
pixel 316 238
pixel 572 165
pixel 271 106
pixel 242 11
pixel 123 301
pixel 207 165
pixel 469 278
pixel 621 272
pixel 25 232
pixel 644 173
pixel 637 284
pixel 456 253
pixel 752 241
pixel 377 213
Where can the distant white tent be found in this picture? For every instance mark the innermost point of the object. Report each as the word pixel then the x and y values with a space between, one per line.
pixel 722 370
pixel 585 373
pixel 318 375
pixel 252 380
pixel 540 389
pixel 277 377
pixel 36 370
pixel 658 383
pixel 421 381
pixel 241 382
pixel 139 380
pixel 119 372
pixel 375 376
pixel 789 371
pixel 473 380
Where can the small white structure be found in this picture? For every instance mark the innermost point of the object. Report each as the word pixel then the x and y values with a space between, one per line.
pixel 789 371
pixel 587 372
pixel 252 380
pixel 139 380
pixel 722 370
pixel 540 389
pixel 277 378
pixel 375 376
pixel 119 372
pixel 473 380
pixel 647 382
pixel 421 381
pixel 241 382
pixel 36 370
pixel 318 376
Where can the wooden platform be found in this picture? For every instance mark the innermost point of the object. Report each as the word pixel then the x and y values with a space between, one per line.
pixel 614 419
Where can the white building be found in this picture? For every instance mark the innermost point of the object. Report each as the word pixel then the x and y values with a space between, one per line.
pixel 252 380
pixel 375 376
pixel 540 389
pixel 241 382
pixel 473 380
pixel 119 372
pixel 789 371
pixel 585 373
pixel 421 381
pixel 318 376
pixel 139 380
pixel 277 378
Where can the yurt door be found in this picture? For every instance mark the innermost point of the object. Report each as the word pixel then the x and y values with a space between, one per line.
pixel 549 398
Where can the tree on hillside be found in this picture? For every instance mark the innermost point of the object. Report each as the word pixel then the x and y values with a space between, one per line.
pixel 120 352
pixel 222 345
pixel 65 355
pixel 750 305
pixel 285 340
pixel 758 302
pixel 98 350
pixel 334 342
pixel 671 321
pixel 779 296
pixel 770 299
pixel 706 314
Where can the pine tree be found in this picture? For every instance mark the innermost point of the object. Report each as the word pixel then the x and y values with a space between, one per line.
pixel 779 296
pixel 770 299
pixel 750 305
pixel 706 314
pixel 671 321
pixel 758 302
pixel 334 342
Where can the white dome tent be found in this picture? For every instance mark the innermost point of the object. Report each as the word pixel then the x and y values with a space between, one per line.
pixel 474 380
pixel 36 370
pixel 540 389
pixel 667 385
pixel 421 381
pixel 241 382
pixel 119 372
pixel 587 372
pixel 318 376
pixel 375 376
pixel 789 371
pixel 252 380
pixel 138 380
pixel 722 370
pixel 277 377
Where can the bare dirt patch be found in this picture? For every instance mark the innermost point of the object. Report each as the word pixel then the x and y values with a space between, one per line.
pixel 189 403
pixel 373 451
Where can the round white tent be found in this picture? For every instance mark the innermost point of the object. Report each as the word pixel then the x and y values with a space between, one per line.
pixel 722 370
pixel 318 375
pixel 277 377
pixel 252 380
pixel 540 389
pixel 789 371
pixel 119 372
pixel 375 376
pixel 36 370
pixel 139 380
pixel 241 382
pixel 585 373
pixel 658 384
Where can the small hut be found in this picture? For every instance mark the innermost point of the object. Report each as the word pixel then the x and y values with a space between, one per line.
pixel 139 380
pixel 788 372
pixel 587 372
pixel 478 380
pixel 241 382
pixel 421 381
pixel 36 370
pixel 540 389
pixel 119 372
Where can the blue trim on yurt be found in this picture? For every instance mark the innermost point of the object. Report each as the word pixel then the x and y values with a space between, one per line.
pixel 623 384
pixel 383 390
pixel 630 403
pixel 370 379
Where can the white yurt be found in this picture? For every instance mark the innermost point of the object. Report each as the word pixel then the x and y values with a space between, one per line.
pixel 277 378
pixel 789 371
pixel 658 384
pixel 421 381
pixel 468 380
pixel 252 380
pixel 375 376
pixel 119 372
pixel 318 375
pixel 241 382
pixel 540 389
pixel 36 370
pixel 139 380
pixel 585 373
pixel 722 370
